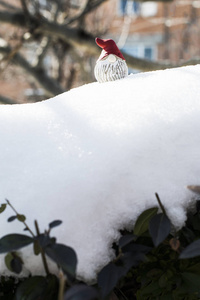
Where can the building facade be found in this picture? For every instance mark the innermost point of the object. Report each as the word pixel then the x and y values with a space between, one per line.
pixel 158 31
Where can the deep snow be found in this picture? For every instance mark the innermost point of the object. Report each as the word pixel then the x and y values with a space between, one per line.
pixel 95 156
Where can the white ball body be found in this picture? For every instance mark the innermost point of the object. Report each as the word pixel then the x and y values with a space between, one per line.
pixel 110 68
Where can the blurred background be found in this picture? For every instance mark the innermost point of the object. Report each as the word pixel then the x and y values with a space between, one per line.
pixel 48 46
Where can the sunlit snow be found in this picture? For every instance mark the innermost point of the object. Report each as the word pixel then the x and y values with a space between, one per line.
pixel 95 156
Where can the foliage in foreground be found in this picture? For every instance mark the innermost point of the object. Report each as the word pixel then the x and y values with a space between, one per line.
pixel 152 262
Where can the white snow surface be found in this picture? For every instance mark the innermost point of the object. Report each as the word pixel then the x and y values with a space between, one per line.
pixel 94 157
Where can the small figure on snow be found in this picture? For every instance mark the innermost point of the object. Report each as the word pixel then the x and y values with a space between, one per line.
pixel 111 64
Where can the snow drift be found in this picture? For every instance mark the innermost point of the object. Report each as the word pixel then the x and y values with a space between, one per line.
pixel 94 157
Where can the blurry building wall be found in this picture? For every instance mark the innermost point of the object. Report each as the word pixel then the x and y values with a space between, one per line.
pixel 167 32
pixel 155 30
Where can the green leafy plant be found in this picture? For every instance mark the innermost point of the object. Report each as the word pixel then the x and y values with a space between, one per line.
pixel 45 245
pixel 153 261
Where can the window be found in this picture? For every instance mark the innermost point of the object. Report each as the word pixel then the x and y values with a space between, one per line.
pixel 148 53
pixel 129 7
pixel 141 51
pixel 148 9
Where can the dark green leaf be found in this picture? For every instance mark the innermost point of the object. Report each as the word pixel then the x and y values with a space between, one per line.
pixel 167 296
pixel 12 242
pixel 180 294
pixel 81 292
pixel 142 222
pixel 21 218
pixel 191 282
pixel 2 207
pixel 136 248
pixel 44 240
pixel 53 240
pixel 154 273
pixel 31 289
pixel 64 256
pixel 109 277
pixel 126 239
pixel 7 261
pixel 12 218
pixel 152 288
pixel 130 259
pixel 159 228
pixel 38 288
pixel 163 281
pixel 16 264
pixel 194 268
pixel 192 250
pixel 55 223
pixel 51 292
pixel 188 234
pixel 198 205
pixel 196 222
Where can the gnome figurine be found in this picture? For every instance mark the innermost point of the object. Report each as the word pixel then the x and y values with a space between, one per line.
pixel 111 64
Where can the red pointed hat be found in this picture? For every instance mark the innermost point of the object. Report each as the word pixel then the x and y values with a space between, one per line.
pixel 109 47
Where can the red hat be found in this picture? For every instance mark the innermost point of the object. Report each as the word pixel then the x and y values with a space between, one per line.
pixel 109 47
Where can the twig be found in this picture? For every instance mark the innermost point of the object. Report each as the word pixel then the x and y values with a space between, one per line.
pixel 17 214
pixel 7 58
pixel 88 7
pixel 38 233
pixel 41 52
pixel 50 85
pixel 25 8
pixel 61 285
pixel 160 204
pixel 42 251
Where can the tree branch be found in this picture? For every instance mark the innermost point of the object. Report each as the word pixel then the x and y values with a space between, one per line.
pixel 90 5
pixel 14 18
pixel 4 4
pixel 47 83
pixel 5 100
pixel 41 52
pixel 143 64
pixel 86 43
pixel 82 40
pixel 24 7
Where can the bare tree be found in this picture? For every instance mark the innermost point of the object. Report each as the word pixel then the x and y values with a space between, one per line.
pixel 55 30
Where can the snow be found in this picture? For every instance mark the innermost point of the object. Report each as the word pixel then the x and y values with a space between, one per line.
pixel 95 156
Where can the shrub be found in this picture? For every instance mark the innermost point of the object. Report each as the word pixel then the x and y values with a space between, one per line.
pixel 152 262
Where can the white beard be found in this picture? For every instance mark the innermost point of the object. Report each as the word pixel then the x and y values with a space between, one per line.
pixel 110 71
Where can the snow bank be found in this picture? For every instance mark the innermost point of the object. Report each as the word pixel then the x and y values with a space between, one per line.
pixel 95 156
